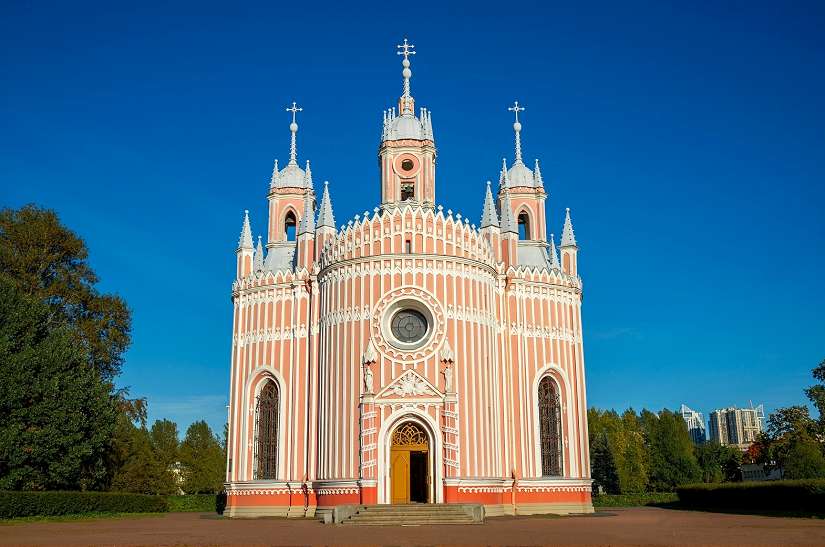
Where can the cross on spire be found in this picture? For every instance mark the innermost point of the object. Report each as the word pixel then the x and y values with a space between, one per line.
pixel 295 108
pixel 293 128
pixel 517 128
pixel 405 104
pixel 406 49
pixel 516 108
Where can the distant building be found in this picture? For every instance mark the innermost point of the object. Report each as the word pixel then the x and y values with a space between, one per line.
pixel 736 426
pixel 756 472
pixel 695 424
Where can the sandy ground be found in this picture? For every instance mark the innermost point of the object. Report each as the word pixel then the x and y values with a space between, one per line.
pixel 636 526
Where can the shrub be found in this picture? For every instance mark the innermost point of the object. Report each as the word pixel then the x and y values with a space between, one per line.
pixel 27 504
pixel 192 503
pixel 633 500
pixel 797 495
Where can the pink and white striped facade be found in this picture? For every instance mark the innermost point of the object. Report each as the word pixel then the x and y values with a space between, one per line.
pixel 503 312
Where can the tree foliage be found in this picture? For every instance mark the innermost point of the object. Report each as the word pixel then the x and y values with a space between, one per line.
pixel 49 262
pixel 57 415
pixel 142 472
pixel 203 461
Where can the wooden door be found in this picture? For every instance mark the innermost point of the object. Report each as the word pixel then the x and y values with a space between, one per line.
pixel 400 475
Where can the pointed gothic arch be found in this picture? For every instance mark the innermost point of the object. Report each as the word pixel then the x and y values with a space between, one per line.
pixel 524 225
pixel 290 225
pixel 550 428
pixel 267 422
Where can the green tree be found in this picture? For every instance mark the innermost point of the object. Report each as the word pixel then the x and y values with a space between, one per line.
pixel 625 444
pixel 672 461
pixel 202 459
pixel 141 471
pixel 634 459
pixel 791 444
pixel 719 463
pixel 603 465
pixel 57 415
pixel 164 436
pixel 47 261
pixel 816 393
pixel 802 459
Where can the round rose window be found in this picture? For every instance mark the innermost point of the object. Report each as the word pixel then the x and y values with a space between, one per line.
pixel 409 326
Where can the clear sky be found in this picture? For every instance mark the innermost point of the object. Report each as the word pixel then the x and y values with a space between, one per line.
pixel 689 142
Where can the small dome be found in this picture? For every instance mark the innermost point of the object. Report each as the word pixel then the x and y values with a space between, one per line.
pixel 406 126
pixel 291 176
pixel 520 175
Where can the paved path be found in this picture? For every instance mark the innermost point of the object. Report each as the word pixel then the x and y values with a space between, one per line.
pixel 637 526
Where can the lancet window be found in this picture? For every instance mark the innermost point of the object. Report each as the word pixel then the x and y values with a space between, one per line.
pixel 290 225
pixel 550 428
pixel 523 225
pixel 267 409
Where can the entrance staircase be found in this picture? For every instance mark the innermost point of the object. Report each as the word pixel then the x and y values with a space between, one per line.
pixel 415 514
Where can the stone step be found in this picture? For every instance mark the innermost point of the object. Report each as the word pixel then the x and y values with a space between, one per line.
pixel 415 514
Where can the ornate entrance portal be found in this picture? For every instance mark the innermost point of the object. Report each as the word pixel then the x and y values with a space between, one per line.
pixel 409 464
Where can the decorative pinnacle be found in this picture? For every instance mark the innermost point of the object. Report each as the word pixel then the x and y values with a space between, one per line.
pixel 325 216
pixel 488 214
pixel 406 49
pixel 568 239
pixel 517 128
pixel 245 241
pixel 554 255
pixel 293 128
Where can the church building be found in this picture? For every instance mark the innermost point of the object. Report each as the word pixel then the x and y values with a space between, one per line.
pixel 407 355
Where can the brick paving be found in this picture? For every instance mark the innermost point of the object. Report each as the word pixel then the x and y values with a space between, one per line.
pixel 633 526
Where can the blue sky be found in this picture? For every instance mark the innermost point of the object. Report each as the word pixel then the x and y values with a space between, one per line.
pixel 689 142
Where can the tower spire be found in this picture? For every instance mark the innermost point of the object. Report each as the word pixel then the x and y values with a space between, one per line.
pixel 508 220
pixel 405 105
pixel 293 128
pixel 307 224
pixel 517 129
pixel 488 215
pixel 258 261
pixel 325 216
pixel 245 241
pixel 568 239
pixel 554 255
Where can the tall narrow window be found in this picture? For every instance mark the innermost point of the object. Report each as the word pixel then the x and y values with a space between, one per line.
pixel 523 225
pixel 550 428
pixel 266 432
pixel 408 246
pixel 407 191
pixel 290 226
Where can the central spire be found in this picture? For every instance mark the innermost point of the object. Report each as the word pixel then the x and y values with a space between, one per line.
pixel 517 128
pixel 405 104
pixel 293 128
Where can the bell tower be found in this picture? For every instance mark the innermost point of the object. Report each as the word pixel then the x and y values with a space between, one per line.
pixel 407 152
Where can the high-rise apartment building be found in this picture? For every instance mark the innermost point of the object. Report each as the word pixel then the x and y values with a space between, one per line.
pixel 736 426
pixel 695 424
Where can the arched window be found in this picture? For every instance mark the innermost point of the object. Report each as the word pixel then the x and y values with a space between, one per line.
pixel 550 428
pixel 290 224
pixel 523 225
pixel 266 431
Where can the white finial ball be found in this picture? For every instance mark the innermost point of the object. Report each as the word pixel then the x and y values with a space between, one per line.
pixel 293 127
pixel 517 126
pixel 406 72
pixel 405 63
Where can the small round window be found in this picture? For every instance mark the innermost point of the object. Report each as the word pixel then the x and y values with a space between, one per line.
pixel 409 326
pixel 407 165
